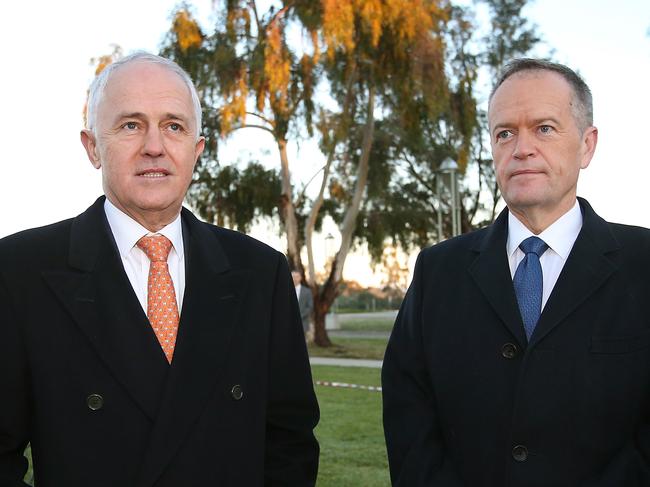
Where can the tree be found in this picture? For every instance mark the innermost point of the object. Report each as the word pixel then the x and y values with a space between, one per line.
pixel 380 57
pixel 247 69
pixel 403 205
pixel 401 76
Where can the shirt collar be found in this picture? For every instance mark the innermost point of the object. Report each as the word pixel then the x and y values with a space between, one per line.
pixel 127 231
pixel 560 236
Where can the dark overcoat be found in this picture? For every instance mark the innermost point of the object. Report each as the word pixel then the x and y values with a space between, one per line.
pixel 469 403
pixel 84 379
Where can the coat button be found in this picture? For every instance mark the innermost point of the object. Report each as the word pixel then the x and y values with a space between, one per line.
pixel 95 402
pixel 520 453
pixel 236 392
pixel 509 350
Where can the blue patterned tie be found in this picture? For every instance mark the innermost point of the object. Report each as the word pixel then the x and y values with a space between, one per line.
pixel 528 282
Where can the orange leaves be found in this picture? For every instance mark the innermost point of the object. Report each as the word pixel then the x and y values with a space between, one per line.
pixel 187 31
pixel 410 18
pixel 348 23
pixel 277 66
pixel 102 61
pixel 234 110
pixel 338 25
pixel 238 17
pixel 340 18
pixel 371 14
pixel 316 45
pixel 338 191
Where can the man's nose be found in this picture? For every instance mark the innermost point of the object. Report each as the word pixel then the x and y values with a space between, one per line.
pixel 153 145
pixel 525 146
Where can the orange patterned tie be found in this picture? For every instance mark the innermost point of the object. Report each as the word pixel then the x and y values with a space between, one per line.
pixel 161 298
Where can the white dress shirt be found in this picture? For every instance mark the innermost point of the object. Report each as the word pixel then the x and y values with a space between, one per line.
pixel 559 237
pixel 298 288
pixel 127 232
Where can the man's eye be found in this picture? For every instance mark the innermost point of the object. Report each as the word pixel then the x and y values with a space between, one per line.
pixel 174 127
pixel 504 134
pixel 131 125
pixel 546 129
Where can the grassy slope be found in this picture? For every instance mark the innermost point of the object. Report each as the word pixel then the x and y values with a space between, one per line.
pixel 350 432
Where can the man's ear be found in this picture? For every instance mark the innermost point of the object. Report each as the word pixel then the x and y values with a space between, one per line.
pixel 198 149
pixel 90 144
pixel 589 142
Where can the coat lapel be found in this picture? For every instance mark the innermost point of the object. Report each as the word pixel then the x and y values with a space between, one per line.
pixel 213 296
pixel 586 269
pixel 99 297
pixel 491 273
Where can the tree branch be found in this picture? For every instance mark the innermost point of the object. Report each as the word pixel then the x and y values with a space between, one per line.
pixel 261 117
pixel 417 175
pixel 253 7
pixel 254 126
pixel 280 13
pixel 350 220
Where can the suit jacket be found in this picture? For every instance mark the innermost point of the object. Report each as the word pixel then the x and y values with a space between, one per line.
pixel 306 305
pixel 84 379
pixel 468 402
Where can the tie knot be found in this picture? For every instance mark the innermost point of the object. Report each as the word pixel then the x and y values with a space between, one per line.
pixel 156 247
pixel 533 245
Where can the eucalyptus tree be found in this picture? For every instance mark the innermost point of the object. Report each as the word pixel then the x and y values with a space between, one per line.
pixel 401 78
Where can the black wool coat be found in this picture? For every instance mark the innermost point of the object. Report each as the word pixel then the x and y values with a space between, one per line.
pixel 83 378
pixel 469 403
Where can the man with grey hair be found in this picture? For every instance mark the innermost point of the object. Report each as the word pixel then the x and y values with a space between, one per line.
pixel 138 345
pixel 521 354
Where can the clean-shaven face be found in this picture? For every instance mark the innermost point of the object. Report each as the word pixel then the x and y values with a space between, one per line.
pixel 145 141
pixel 537 147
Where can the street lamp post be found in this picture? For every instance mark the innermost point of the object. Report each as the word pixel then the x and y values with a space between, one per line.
pixel 329 247
pixel 449 166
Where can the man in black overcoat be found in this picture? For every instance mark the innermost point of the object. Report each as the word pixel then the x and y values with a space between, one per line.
pixel 521 354
pixel 140 346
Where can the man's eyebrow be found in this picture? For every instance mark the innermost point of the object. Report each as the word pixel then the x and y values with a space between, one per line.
pixel 535 121
pixel 174 116
pixel 500 126
pixel 142 116
pixel 542 120
pixel 122 115
pixel 129 115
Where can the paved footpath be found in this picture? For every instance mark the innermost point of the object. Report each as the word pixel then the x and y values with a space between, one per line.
pixel 345 362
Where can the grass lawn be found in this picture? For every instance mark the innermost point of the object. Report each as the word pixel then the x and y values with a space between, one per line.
pixel 361 348
pixel 28 476
pixel 366 324
pixel 350 431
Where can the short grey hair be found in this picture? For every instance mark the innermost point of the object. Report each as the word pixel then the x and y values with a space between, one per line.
pixel 583 109
pixel 96 91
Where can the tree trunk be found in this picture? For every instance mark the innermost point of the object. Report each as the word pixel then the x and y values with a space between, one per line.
pixel 350 220
pixel 289 211
pixel 324 299
pixel 311 222
pixel 318 202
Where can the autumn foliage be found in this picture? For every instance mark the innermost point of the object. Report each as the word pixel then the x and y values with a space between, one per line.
pixel 387 88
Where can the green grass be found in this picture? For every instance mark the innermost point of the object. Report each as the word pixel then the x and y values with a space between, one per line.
pixel 350 431
pixel 366 376
pixel 360 348
pixel 367 324
pixel 29 475
pixel 356 311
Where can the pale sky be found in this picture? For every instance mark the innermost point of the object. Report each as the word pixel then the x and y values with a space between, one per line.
pixel 46 47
